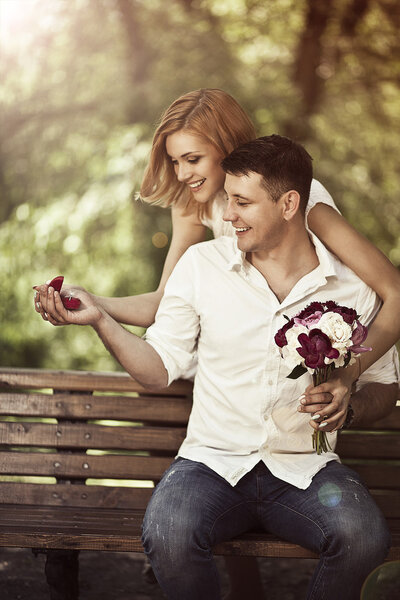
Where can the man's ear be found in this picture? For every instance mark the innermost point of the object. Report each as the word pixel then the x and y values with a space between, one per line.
pixel 290 203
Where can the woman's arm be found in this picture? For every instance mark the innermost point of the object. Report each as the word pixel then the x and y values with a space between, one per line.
pixel 372 266
pixel 375 270
pixel 140 310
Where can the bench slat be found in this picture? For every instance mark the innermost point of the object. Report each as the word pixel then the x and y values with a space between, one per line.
pixel 81 435
pixel 368 445
pixel 82 381
pixel 126 497
pixel 120 531
pixel 78 466
pixel 267 545
pixel 82 466
pixel 120 408
pixel 379 475
pixel 388 501
pixel 92 496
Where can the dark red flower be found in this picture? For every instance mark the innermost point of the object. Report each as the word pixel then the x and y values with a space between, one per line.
pixel 311 309
pixel 315 347
pixel 280 336
pixel 349 315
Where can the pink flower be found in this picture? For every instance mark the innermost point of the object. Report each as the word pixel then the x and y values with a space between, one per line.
pixel 359 335
pixel 310 320
pixel 315 347
pixel 312 308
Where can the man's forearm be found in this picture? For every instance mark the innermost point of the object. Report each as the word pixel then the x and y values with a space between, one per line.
pixel 373 402
pixel 137 357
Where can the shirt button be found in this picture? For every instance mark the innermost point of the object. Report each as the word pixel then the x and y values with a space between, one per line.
pixel 266 417
pixel 270 382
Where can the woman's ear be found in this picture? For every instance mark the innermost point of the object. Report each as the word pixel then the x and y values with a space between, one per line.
pixel 290 204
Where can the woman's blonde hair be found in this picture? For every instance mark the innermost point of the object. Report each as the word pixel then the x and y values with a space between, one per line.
pixel 210 113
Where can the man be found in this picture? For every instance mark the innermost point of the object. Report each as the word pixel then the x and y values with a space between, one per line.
pixel 247 460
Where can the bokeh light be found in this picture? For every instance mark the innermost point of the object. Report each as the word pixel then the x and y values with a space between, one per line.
pixel 330 495
pixel 159 239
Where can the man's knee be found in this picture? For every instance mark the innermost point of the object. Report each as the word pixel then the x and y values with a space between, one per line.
pixel 360 541
pixel 170 532
pixel 174 524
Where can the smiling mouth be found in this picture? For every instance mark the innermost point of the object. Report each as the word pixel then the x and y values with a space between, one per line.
pixel 196 184
pixel 242 229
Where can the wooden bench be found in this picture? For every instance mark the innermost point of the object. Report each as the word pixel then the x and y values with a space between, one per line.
pixel 79 453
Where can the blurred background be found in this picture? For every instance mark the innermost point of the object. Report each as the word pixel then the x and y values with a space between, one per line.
pixel 83 84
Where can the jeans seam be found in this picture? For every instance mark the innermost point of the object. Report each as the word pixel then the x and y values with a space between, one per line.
pixel 316 583
pixel 228 511
pixel 300 514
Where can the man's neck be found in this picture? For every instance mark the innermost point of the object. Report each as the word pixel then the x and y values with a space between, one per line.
pixel 284 265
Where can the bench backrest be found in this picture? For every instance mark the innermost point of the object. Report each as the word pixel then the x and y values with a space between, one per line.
pixel 74 438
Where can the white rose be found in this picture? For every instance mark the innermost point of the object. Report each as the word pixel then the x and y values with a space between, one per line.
pixel 289 353
pixel 338 331
pixel 293 333
pixel 291 357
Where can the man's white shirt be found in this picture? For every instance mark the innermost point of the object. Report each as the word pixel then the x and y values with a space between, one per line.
pixel 219 310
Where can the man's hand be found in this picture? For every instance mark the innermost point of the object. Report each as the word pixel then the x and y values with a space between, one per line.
pixel 49 305
pixel 328 402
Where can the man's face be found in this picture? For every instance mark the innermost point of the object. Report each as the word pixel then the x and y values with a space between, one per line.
pixel 258 221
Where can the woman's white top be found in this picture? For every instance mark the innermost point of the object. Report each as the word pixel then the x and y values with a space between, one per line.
pixel 219 227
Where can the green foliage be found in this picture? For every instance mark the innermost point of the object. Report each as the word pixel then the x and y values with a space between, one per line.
pixel 83 85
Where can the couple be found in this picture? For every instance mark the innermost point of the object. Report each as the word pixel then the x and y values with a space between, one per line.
pixel 246 461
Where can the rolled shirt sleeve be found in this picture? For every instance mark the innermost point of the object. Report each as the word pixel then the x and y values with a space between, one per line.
pixel 176 328
pixel 384 370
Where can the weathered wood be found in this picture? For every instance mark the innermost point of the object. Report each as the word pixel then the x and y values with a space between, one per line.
pixel 379 475
pixel 119 530
pixel 120 408
pixel 75 496
pixel 388 501
pixel 82 381
pixel 369 445
pixel 268 545
pixel 80 435
pixel 82 466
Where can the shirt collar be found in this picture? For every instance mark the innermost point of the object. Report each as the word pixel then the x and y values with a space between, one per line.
pixel 238 260
pixel 327 262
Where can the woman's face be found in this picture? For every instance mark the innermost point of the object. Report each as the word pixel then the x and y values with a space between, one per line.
pixel 197 164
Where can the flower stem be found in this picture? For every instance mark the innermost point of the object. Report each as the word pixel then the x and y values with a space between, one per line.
pixel 319 439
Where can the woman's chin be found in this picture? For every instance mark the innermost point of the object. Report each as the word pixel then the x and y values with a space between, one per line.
pixel 204 197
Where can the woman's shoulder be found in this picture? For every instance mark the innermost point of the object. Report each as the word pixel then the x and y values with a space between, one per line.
pixel 319 195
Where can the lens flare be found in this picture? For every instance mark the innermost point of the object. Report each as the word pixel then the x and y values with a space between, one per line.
pixel 330 495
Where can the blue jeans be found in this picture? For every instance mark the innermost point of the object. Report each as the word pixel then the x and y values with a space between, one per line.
pixel 193 508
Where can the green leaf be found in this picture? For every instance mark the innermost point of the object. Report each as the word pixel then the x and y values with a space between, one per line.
pixel 297 372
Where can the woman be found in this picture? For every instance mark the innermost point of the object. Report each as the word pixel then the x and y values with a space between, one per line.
pixel 196 132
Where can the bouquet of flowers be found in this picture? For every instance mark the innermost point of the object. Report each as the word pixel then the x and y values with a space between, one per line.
pixel 321 337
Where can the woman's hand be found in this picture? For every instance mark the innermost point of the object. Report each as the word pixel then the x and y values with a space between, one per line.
pixel 49 305
pixel 328 402
pixel 67 290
